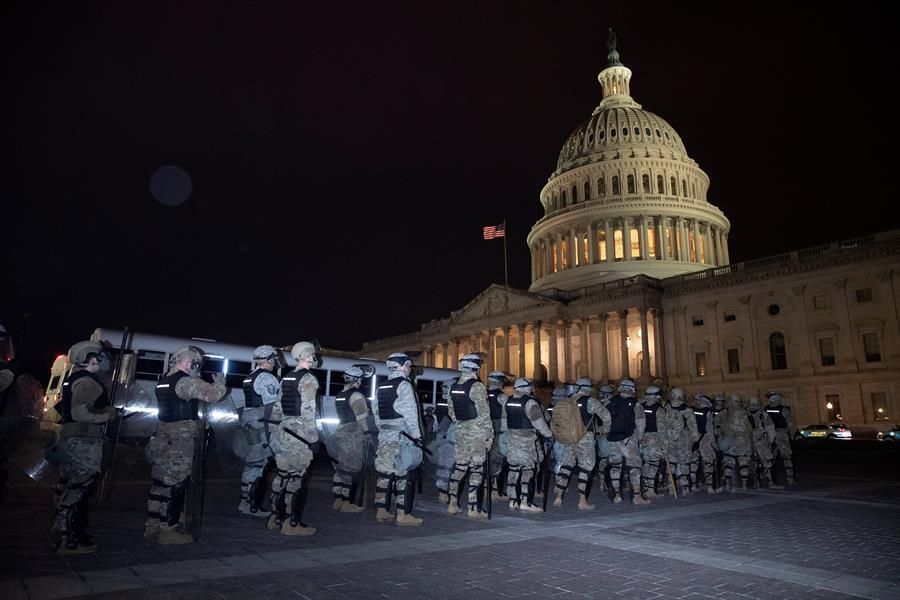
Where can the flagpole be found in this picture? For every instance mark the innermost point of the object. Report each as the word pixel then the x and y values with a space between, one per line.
pixel 505 276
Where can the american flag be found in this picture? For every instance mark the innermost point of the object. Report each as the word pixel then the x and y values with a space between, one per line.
pixel 494 231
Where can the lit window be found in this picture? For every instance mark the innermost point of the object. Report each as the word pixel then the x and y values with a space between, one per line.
pixel 565 254
pixel 555 257
pixel 651 241
pixel 734 360
pixel 880 406
pixel 584 250
pixel 826 351
pixel 833 406
pixel 821 301
pixel 700 362
pixel 777 351
pixel 601 244
pixel 635 242
pixel 864 295
pixel 619 246
pixel 872 347
pixel 692 245
pixel 669 250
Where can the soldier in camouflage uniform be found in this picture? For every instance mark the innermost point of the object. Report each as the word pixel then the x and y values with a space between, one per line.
pixel 605 393
pixel 468 408
pixel 719 429
pixel 626 428
pixel 524 420
pixel 349 442
pixel 296 412
pixel 654 442
pixel 681 430
pixel 736 442
pixel 442 448
pixel 763 443
pixel 499 466
pixel 397 411
pixel 261 389
pixel 785 430
pixel 704 449
pixel 85 408
pixel 171 450
pixel 582 455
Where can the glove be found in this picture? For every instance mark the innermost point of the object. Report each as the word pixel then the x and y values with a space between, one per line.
pixel 218 379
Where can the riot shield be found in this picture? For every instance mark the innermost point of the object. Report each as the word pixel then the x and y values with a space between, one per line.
pixel 30 449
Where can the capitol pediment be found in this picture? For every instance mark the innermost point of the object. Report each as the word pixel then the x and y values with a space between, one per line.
pixel 498 300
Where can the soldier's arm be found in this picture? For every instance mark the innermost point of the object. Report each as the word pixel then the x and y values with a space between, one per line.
pixel 450 412
pixel 85 392
pixel 789 417
pixel 267 386
pixel 309 387
pixel 692 424
pixel 769 424
pixel 483 420
pixel 502 400
pixel 640 420
pixel 189 388
pixel 359 406
pixel 603 413
pixel 406 405
pixel 536 416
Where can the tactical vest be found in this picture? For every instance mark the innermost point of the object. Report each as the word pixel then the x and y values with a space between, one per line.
pixel 463 407
pixel 342 406
pixel 582 408
pixel 621 410
pixel 290 392
pixel 64 407
pixel 777 416
pixel 494 405
pixel 515 413
pixel 650 418
pixel 171 407
pixel 387 395
pixel 701 413
pixel 251 398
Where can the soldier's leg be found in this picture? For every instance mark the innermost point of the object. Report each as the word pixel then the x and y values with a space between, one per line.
pixel 406 493
pixel 476 479
pixel 566 465
pixel 337 486
pixel 784 449
pixel 682 471
pixel 649 474
pixel 616 465
pixel 251 481
pixel 456 476
pixel 296 489
pixel 514 485
pixel 744 466
pixel 278 499
pixel 708 457
pixel 729 463
pixel 72 514
pixel 695 468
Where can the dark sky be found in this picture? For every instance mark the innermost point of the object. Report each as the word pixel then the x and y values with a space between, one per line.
pixel 344 158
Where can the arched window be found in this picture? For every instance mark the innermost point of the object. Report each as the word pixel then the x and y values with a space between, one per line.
pixel 635 236
pixel 684 188
pixel 601 244
pixel 660 185
pixel 555 257
pixel 673 185
pixel 615 186
pixel 585 258
pixel 601 187
pixel 555 202
pixel 565 254
pixel 564 199
pixel 574 193
pixel 645 183
pixel 777 351
pixel 618 244
pixel 587 190
pixel 630 183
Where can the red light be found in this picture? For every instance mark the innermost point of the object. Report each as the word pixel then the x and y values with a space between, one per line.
pixel 60 356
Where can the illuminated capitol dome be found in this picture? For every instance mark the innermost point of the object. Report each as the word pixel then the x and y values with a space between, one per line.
pixel 625 199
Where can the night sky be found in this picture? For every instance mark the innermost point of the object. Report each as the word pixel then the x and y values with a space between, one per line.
pixel 345 158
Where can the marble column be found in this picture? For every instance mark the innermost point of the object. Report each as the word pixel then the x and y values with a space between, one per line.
pixel 491 341
pixel 585 350
pixel 645 347
pixel 659 343
pixel 602 357
pixel 453 354
pixel 553 361
pixel 645 252
pixel 504 362
pixel 623 342
pixel 610 241
pixel 567 351
pixel 521 372
pixel 536 329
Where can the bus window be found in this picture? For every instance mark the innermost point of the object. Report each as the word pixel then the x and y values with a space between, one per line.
pixel 337 383
pixel 425 391
pixel 151 365
pixel 373 390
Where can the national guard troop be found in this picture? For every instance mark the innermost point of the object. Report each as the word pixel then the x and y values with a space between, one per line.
pixel 349 443
pixel 294 441
pixel 764 443
pixel 626 428
pixel 442 448
pixel 398 416
pixel 496 401
pixel 654 442
pixel 581 456
pixel 605 392
pixel 261 390
pixel 719 429
pixel 704 449
pixel 85 409
pixel 681 429
pixel 736 443
pixel 524 420
pixel 171 450
pixel 468 408
pixel 784 431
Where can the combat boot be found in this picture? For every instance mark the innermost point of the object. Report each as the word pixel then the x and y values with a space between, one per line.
pixel 152 531
pixel 407 520
pixel 638 499
pixel 169 535
pixel 557 500
pixel 530 508
pixel 382 515
pixel 298 529
pixel 711 490
pixel 452 508
pixel 617 499
pixel 443 498
pixel 583 503
pixel 513 505
pixel 474 513
pixel 336 505
pixel 273 523
pixel 349 507
pixel 650 493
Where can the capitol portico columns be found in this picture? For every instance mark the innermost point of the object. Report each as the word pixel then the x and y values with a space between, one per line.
pixel 584 325
pixel 603 360
pixel 521 372
pixel 491 338
pixel 504 364
pixel 536 326
pixel 645 251
pixel 552 361
pixel 623 341
pixel 569 370
pixel 658 343
pixel 645 347
pixel 452 354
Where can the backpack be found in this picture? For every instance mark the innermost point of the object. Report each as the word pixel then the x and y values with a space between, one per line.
pixel 566 423
pixel 622 413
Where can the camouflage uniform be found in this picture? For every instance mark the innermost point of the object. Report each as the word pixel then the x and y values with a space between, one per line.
pixel 582 455
pixel 348 445
pixel 681 429
pixel 736 442
pixel 80 445
pixel 784 431
pixel 397 410
pixel 499 464
pixel 442 457
pixel 524 450
pixel 624 452
pixel 704 449
pixel 292 456
pixel 654 444
pixel 261 390
pixel 171 450
pixel 474 436
pixel 763 443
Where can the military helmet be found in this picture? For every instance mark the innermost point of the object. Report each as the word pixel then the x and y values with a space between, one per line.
pixel 195 354
pixel 471 363
pixel 774 398
pixel 302 350
pixel 358 372
pixel 702 401
pixel 498 376
pixel 676 392
pixel 558 392
pixel 607 391
pixel 653 391
pixel 753 402
pixel 523 385
pixel 397 360
pixel 627 385
pixel 584 383
pixel 82 352
pixel 265 352
pixel 570 389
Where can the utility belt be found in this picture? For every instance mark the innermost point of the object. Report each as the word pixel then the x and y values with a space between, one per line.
pixel 80 429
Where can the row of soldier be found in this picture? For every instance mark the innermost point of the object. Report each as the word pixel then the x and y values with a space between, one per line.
pixel 488 442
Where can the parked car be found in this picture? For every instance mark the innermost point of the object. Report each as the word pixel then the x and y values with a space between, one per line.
pixel 834 431
pixel 892 435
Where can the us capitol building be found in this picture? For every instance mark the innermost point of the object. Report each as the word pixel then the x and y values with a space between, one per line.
pixel 630 277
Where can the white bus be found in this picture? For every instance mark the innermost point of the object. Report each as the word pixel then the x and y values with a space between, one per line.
pixel 147 357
